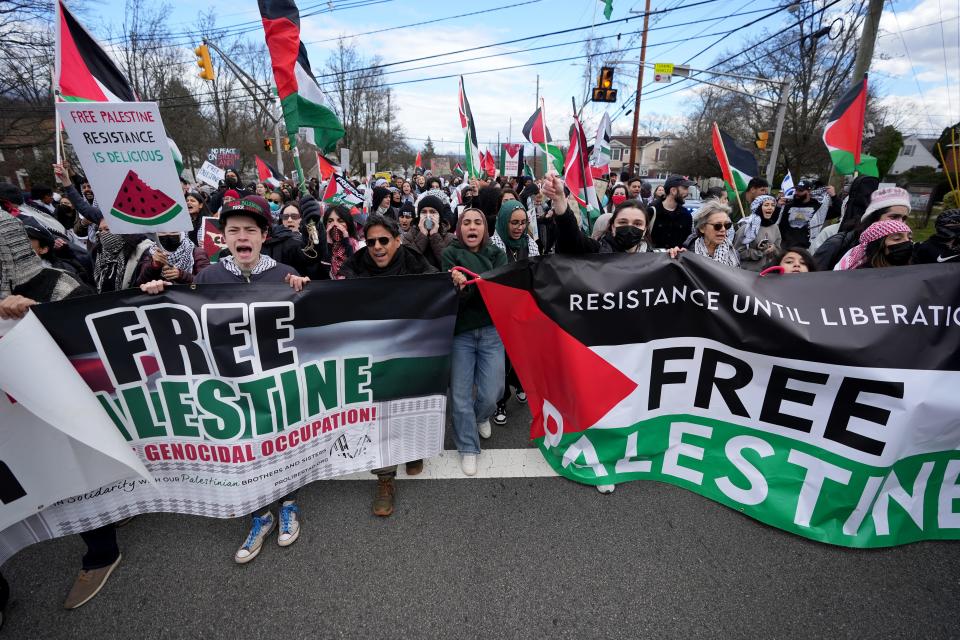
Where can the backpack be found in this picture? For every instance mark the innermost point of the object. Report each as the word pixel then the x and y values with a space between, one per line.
pixel 829 253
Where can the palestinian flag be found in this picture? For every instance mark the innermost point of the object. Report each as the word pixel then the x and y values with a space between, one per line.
pixel 83 72
pixel 843 134
pixel 340 191
pixel 458 170
pixel 536 132
pixel 527 171
pixel 737 164
pixel 326 168
pixel 489 164
pixel 607 8
pixel 418 163
pixel 267 173
pixel 305 109
pixel 470 148
pixel 576 174
pixel 600 158
pixel 511 159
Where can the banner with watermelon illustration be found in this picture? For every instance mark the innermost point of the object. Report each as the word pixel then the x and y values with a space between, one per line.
pixel 827 409
pixel 124 152
pixel 232 397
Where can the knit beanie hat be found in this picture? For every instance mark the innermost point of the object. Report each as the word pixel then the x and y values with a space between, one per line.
pixel 883 198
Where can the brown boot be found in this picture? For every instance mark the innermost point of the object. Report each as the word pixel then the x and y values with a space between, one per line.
pixel 383 501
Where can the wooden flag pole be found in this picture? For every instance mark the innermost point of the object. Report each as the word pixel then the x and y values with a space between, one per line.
pixel 946 169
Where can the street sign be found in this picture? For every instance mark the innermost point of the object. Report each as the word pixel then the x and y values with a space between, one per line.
pixel 662 71
pixel 370 156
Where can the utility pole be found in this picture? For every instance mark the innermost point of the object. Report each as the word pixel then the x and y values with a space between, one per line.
pixel 386 159
pixel 781 114
pixel 636 105
pixel 536 105
pixel 868 38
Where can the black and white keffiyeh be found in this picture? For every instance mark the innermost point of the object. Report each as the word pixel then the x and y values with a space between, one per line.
pixel 724 253
pixel 265 263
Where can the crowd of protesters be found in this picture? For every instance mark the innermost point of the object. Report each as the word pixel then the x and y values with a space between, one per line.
pixel 58 244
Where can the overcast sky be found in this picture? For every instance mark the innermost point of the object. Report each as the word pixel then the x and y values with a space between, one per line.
pixel 916 65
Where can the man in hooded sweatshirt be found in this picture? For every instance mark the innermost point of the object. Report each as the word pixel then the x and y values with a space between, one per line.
pixel 244 223
pixel 384 255
pixel 24 282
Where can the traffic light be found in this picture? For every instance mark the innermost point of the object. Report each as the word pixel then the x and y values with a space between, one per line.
pixel 203 61
pixel 268 145
pixel 286 144
pixel 604 91
pixel 762 137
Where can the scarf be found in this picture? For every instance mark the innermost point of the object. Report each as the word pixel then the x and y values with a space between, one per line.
pixel 265 263
pixel 182 258
pixel 338 254
pixel 503 225
pixel 858 255
pixel 724 253
pixel 755 220
pixel 109 266
pixel 18 262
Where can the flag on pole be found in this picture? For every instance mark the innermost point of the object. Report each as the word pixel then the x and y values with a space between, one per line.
pixel 527 171
pixel 489 165
pixel 786 185
pixel 340 191
pixel 304 106
pixel 83 72
pixel 843 134
pixel 535 131
pixel 267 174
pixel 470 149
pixel 326 168
pixel 458 170
pixel 607 8
pixel 737 164
pixel 419 163
pixel 579 180
pixel 600 159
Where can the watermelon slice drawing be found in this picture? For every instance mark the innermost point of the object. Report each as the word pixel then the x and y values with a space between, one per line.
pixel 139 203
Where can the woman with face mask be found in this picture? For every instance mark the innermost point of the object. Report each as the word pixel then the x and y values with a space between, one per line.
pixel 887 243
pixel 341 239
pixel 175 258
pixel 617 196
pixel 758 236
pixel 627 232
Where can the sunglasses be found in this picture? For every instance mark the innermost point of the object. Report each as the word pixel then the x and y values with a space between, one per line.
pixel 717 226
pixel 383 240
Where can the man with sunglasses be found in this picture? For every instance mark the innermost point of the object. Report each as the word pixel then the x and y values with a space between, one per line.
pixel 803 217
pixel 384 255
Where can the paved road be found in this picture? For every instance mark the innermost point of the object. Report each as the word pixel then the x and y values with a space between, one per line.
pixel 513 558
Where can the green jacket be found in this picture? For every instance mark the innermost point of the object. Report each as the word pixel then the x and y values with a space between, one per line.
pixel 472 313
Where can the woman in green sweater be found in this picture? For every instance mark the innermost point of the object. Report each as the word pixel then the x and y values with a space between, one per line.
pixel 477 349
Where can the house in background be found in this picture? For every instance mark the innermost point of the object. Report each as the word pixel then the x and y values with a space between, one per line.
pixel 915 152
pixel 653 153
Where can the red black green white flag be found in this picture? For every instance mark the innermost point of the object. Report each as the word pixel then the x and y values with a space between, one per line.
pixel 83 72
pixel 536 132
pixel 326 168
pixel 340 191
pixel 305 108
pixel 843 134
pixel 267 174
pixel 471 150
pixel 737 165
pixel 579 179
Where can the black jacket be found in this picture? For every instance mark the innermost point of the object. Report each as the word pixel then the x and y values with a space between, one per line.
pixel 669 229
pixel 407 261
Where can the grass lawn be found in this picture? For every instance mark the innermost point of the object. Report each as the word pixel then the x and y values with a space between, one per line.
pixel 921 233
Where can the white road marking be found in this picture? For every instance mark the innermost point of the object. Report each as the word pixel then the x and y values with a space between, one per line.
pixel 492 463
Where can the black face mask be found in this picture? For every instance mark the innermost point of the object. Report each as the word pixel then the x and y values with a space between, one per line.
pixel 899 254
pixel 627 237
pixel 230 181
pixel 170 243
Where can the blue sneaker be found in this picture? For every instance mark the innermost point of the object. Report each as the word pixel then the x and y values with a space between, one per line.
pixel 289 524
pixel 262 527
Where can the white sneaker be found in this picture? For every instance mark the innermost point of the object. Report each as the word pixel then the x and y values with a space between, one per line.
pixel 259 530
pixel 606 488
pixel 468 462
pixel 484 429
pixel 521 397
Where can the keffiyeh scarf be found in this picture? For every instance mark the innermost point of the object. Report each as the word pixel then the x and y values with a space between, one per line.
pixel 724 253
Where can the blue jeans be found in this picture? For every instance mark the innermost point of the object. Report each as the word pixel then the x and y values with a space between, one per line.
pixel 477 363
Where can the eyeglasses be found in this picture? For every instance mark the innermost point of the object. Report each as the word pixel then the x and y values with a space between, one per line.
pixel 290 216
pixel 717 226
pixel 383 240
